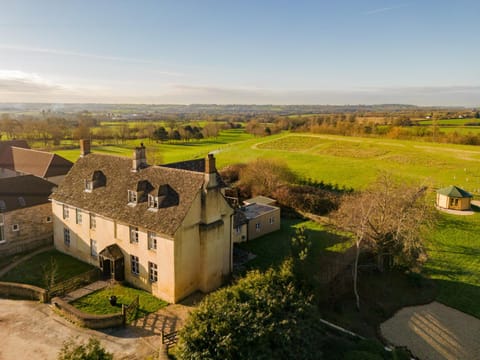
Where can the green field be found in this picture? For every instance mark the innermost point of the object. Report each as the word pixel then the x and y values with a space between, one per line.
pixel 346 161
pixel 164 152
pixel 455 122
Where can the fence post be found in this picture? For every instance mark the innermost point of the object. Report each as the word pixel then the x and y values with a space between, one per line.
pixel 124 314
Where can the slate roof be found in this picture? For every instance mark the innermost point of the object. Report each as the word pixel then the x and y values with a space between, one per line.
pixel 239 218
pixel 15 155
pixel 454 192
pixel 33 190
pixel 6 159
pixel 197 165
pixel 111 200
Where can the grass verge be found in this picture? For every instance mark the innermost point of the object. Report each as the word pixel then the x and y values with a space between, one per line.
pixel 31 270
pixel 98 302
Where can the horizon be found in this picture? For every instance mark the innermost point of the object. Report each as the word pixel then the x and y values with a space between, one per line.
pixel 214 52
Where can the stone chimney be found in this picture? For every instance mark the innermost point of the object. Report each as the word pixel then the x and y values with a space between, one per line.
pixel 210 164
pixel 139 158
pixel 84 147
pixel 210 172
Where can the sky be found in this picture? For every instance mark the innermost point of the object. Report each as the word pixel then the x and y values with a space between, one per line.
pixel 421 52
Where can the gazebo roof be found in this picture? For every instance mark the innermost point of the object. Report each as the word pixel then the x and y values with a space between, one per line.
pixel 454 192
pixel 112 252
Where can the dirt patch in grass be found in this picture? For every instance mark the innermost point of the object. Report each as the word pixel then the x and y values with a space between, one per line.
pixel 293 143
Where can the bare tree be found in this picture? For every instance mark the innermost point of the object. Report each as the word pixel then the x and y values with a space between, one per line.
pixel 388 220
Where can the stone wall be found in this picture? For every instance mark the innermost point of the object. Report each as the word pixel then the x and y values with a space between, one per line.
pixel 27 229
pixel 88 320
pixel 23 291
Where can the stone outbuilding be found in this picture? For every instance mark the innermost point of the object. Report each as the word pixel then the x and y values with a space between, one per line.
pixel 25 214
pixel 453 197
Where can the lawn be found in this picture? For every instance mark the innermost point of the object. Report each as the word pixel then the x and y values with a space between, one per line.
pixel 454 261
pixel 346 161
pixel 98 302
pixel 31 271
pixel 272 249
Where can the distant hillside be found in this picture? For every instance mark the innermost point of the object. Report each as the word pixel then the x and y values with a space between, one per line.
pixel 210 109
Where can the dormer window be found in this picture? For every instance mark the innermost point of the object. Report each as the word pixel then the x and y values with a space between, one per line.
pixel 3 206
pixel 164 197
pixel 97 180
pixel 21 201
pixel 132 197
pixel 153 201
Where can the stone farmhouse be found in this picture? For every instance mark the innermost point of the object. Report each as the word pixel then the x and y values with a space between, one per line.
pixel 16 158
pixel 165 229
pixel 25 214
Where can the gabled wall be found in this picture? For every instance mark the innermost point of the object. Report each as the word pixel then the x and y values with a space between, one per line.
pixel 34 229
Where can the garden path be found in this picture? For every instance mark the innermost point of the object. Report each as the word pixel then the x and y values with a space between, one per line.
pixel 87 289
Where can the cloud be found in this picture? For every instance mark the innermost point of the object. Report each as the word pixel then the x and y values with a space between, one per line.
pixel 19 82
pixel 17 86
pixel 38 50
pixel 384 9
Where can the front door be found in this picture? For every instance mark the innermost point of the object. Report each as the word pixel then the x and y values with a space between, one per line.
pixel 106 268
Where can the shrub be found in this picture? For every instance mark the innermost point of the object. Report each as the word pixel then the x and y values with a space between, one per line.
pixel 93 350
pixel 263 316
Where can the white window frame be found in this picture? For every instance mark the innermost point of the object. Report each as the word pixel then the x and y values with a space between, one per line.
pixel 152 201
pixel 258 226
pixel 48 219
pixel 15 227
pixel 66 236
pixel 152 272
pixel 134 235
pixel 66 212
pixel 93 248
pixel 78 216
pixel 238 229
pixel 152 240
pixel 271 220
pixel 132 197
pixel 135 265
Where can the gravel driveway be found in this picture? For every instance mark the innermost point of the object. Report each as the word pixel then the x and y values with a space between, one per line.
pixel 435 331
pixel 30 330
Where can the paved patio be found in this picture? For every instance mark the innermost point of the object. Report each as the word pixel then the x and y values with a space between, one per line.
pixel 435 332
